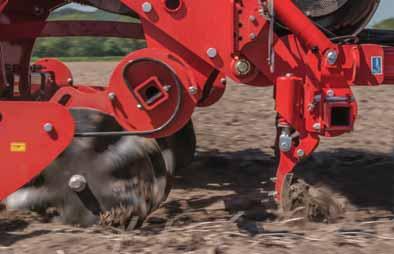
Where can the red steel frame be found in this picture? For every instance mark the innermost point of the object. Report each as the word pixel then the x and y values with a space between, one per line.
pixel 190 50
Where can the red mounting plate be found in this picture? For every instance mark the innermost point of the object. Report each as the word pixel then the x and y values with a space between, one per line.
pixel 25 147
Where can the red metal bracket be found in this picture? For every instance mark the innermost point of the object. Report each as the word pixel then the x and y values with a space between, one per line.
pixel 128 95
pixel 33 134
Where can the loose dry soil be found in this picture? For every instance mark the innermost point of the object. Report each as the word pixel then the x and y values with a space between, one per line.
pixel 219 204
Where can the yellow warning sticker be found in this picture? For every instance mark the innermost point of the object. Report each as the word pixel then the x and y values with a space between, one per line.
pixel 18 147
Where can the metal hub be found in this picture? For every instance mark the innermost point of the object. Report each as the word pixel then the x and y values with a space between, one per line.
pixel 77 183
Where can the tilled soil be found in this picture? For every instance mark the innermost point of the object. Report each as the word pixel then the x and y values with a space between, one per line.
pixel 219 204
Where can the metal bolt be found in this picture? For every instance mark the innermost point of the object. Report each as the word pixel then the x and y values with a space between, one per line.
pixel 212 52
pixel 223 81
pixel 300 153
pixel 242 67
pixel 167 88
pixel 48 127
pixel 332 57
pixel 77 183
pixel 252 18
pixel 252 36
pixel 285 147
pixel 38 11
pixel 285 143
pixel 147 7
pixel 317 126
pixel 330 93
pixel 139 106
pixel 289 75
pixel 70 81
pixel 112 96
pixel 193 90
pixel 272 194
pixel 311 107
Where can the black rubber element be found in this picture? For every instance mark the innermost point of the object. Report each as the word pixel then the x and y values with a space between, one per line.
pixel 377 36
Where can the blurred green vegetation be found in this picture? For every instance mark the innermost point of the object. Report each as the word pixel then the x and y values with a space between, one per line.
pixel 84 58
pixel 73 14
pixel 385 24
pixel 86 47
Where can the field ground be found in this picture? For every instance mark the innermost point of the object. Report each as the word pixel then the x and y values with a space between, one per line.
pixel 218 204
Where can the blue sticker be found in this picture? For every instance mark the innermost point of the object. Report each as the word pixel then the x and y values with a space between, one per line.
pixel 377 65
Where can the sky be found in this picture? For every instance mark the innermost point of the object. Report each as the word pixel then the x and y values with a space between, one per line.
pixel 386 10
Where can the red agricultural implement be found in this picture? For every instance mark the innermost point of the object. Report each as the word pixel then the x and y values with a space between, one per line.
pixel 99 152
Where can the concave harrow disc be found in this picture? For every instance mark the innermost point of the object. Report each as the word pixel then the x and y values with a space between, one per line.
pixel 114 181
pixel 340 17
pixel 114 6
pixel 337 17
